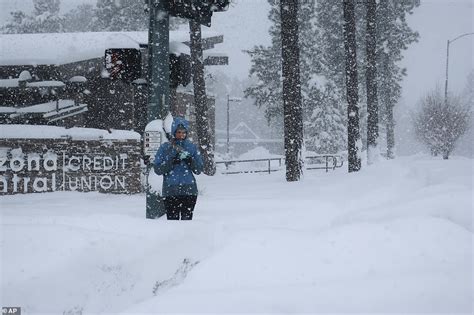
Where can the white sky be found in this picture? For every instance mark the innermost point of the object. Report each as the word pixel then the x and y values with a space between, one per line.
pixel 437 21
pixel 6 6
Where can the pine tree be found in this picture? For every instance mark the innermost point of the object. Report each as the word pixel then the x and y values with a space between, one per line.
pixel 18 23
pixel 266 67
pixel 329 98
pixel 130 16
pixel 103 15
pixel 323 62
pixel 44 19
pixel 325 129
pixel 123 16
pixel 79 19
pixel 393 37
pixel 267 75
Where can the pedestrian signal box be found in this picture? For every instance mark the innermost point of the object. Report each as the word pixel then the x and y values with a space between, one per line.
pixel 153 138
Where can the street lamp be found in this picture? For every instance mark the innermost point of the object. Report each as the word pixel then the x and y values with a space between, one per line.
pixel 447 64
pixel 230 99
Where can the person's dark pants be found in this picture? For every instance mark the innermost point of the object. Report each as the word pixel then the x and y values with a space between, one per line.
pixel 177 206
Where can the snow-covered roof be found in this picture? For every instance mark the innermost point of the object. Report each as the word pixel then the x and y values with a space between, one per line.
pixel 45 107
pixel 64 48
pixel 9 83
pixel 53 132
pixel 243 127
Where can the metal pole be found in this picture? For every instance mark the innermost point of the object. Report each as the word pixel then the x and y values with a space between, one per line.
pixel 228 118
pixel 158 86
pixel 159 91
pixel 446 82
pixel 447 62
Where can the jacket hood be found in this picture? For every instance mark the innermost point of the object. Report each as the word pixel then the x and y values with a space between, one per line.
pixel 176 122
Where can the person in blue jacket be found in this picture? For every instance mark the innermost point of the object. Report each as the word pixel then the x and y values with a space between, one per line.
pixel 177 160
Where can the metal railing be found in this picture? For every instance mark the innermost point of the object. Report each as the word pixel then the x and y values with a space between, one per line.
pixel 328 162
pixel 268 170
pixel 335 159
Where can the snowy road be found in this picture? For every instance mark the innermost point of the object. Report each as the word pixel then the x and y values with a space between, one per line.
pixel 396 237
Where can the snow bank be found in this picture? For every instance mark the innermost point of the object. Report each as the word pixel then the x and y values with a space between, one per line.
pixel 393 238
pixel 52 132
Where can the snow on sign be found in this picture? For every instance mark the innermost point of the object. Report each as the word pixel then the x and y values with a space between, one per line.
pixel 30 164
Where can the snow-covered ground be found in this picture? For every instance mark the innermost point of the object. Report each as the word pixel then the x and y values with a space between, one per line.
pixel 393 238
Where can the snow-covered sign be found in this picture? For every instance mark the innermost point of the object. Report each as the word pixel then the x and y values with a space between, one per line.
pixel 44 159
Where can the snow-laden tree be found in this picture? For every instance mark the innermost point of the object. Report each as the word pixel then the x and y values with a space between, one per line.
pixel 266 68
pixel 18 23
pixel 124 15
pixel 394 36
pixel 439 125
pixel 325 130
pixel 130 16
pixel 266 74
pixel 103 15
pixel 45 18
pixel 80 18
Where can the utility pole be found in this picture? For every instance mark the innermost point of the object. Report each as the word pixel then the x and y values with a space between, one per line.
pixel 353 134
pixel 292 109
pixel 158 86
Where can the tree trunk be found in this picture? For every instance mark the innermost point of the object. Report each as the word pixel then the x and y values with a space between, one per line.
pixel 390 132
pixel 371 76
pixel 388 109
pixel 292 109
pixel 200 100
pixel 353 135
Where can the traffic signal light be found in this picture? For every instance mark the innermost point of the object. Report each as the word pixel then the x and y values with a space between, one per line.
pixel 198 10
pixel 123 63
pixel 180 70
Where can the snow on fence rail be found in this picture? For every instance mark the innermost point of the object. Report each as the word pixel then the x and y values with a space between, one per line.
pixel 267 165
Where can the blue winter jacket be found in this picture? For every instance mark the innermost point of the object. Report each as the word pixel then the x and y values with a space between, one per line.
pixel 178 179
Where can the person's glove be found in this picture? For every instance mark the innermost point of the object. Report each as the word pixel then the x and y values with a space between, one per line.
pixel 146 160
pixel 188 160
pixel 176 159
